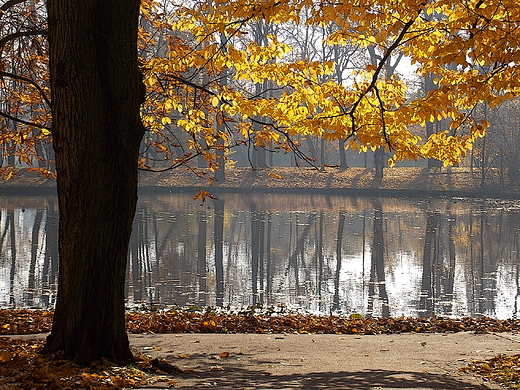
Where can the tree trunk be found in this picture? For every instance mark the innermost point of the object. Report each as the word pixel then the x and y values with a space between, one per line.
pixel 431 126
pixel 342 156
pixel 379 162
pixel 96 95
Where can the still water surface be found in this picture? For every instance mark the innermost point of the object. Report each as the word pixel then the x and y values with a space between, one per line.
pixel 316 253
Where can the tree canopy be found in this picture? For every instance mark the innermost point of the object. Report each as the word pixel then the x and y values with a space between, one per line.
pixel 201 63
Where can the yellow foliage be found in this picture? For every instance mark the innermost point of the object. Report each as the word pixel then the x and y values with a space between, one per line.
pixel 204 77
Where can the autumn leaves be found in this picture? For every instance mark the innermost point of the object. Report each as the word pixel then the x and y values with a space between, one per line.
pixel 221 74
pixel 264 91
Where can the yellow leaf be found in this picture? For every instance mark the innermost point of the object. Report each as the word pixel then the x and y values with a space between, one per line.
pixel 274 175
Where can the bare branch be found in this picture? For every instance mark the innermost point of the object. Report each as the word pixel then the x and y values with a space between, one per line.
pixel 8 116
pixel 18 34
pixel 10 3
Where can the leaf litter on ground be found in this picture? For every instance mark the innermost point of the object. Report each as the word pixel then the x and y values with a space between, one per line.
pixel 22 366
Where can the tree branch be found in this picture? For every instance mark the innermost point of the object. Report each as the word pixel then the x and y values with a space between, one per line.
pixel 8 116
pixel 30 81
pixel 381 65
pixel 18 34
pixel 10 3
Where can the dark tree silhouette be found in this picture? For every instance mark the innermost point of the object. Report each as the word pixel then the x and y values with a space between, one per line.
pixel 96 96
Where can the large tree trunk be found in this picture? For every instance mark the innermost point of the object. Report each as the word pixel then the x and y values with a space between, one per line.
pixel 96 96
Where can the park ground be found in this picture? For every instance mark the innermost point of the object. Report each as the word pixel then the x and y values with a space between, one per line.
pixel 184 349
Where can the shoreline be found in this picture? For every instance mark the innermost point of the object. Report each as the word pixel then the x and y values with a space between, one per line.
pixel 397 182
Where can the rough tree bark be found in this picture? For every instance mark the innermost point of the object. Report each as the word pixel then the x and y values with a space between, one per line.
pixel 96 96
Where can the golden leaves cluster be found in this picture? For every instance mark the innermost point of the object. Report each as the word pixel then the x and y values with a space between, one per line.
pixel 471 48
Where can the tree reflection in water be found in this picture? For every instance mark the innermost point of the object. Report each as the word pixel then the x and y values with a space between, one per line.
pixel 373 256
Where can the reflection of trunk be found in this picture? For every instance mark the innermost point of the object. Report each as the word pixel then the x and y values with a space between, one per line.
pixel 488 270
pixel 10 221
pixel 377 271
pixel 472 270
pixel 481 263
pixel 319 256
pixel 255 254
pixel 50 262
pixel 256 251
pixel 201 252
pixel 516 249
pixel 339 239
pixel 268 263
pixel 134 255
pixel 6 230
pixel 300 247
pixel 426 306
pixel 219 241
pixel 450 277
pixel 234 238
pixel 261 265
pixel 144 259
pixel 166 235
pixel 29 299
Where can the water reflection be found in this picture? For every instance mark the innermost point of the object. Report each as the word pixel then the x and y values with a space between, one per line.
pixel 375 256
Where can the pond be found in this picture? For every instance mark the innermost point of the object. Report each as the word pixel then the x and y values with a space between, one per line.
pixel 415 257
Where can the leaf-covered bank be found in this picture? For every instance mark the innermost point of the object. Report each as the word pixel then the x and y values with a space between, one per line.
pixel 250 321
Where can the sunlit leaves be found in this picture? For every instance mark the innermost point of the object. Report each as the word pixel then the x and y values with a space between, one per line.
pixel 502 368
pixel 202 66
pixel 202 195
pixel 370 110
pixel 25 96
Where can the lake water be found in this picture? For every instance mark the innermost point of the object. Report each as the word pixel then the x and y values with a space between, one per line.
pixel 313 253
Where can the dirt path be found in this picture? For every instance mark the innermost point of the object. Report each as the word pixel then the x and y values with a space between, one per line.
pixel 322 361
pixel 294 361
